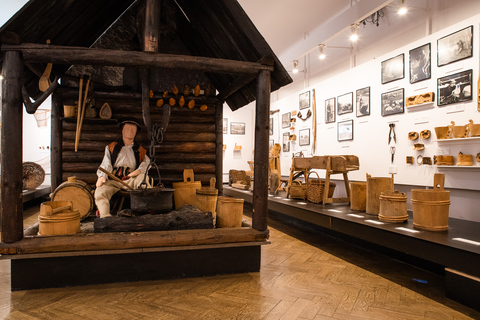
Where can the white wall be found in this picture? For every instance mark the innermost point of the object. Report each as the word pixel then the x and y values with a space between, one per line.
pixel 371 132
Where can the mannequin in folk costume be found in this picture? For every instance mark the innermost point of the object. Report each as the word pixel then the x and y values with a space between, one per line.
pixel 126 160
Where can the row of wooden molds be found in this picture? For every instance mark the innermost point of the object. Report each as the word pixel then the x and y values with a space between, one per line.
pixel 419 99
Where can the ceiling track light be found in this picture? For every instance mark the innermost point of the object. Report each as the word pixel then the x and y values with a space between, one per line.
pixel 322 55
pixel 403 8
pixel 354 28
pixel 295 66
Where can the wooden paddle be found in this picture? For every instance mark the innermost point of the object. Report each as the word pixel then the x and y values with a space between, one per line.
pixel 115 178
pixel 44 81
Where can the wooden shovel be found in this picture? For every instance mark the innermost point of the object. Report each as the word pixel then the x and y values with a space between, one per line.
pixel 44 81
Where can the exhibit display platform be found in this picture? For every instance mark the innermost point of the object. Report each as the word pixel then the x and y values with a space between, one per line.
pixel 456 251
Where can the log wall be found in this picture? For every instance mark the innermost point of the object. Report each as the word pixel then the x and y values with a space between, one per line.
pixel 189 141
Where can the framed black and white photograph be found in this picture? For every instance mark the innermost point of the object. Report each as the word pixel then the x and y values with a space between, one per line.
pixel 393 69
pixel 419 62
pixel 363 102
pixel 345 130
pixel 454 88
pixel 304 139
pixel 286 142
pixel 330 110
pixel 225 125
pixel 455 47
pixel 286 120
pixel 270 127
pixel 345 103
pixel 393 102
pixel 237 127
pixel 304 100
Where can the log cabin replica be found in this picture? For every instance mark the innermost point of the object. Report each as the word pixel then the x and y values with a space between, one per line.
pixel 172 63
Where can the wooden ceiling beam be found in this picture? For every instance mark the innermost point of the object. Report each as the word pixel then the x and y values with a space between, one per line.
pixel 106 57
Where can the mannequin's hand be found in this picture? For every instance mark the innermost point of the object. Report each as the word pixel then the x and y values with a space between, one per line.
pixel 101 181
pixel 125 178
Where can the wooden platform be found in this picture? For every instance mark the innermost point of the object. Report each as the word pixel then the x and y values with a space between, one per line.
pixel 457 249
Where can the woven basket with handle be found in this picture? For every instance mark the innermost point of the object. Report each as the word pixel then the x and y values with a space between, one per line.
pixel 315 188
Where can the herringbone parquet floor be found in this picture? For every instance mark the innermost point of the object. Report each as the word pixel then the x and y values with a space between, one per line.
pixel 304 275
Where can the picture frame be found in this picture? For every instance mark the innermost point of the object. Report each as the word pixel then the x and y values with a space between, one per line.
pixel 237 128
pixel 454 88
pixel 419 61
pixel 304 100
pixel 345 103
pixel 225 125
pixel 286 142
pixel 270 127
pixel 455 46
pixel 271 143
pixel 304 137
pixel 286 120
pixel 345 130
pixel 330 110
pixel 393 69
pixel 393 102
pixel 362 102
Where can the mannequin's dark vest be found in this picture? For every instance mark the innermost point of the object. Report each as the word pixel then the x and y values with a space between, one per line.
pixel 138 151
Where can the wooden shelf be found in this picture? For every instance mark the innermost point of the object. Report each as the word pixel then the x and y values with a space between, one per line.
pixel 466 168
pixel 471 140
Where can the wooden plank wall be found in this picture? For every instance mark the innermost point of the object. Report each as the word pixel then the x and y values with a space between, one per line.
pixel 189 141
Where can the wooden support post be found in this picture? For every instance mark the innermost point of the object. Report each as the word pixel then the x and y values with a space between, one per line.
pixel 219 146
pixel 151 32
pixel 11 181
pixel 56 138
pixel 262 113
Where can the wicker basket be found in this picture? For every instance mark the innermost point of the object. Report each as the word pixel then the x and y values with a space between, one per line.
pixel 33 175
pixel 298 190
pixel 315 188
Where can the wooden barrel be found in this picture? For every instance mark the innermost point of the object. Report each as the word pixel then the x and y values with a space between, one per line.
pixel 57 218
pixel 430 209
pixel 207 200
pixel 185 191
pixel 375 186
pixel 358 196
pixel 229 212
pixel 393 207
pixel 77 191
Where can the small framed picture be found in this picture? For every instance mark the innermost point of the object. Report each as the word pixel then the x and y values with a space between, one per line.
pixel 393 69
pixel 270 144
pixel 225 125
pixel 286 142
pixel 455 47
pixel 345 103
pixel 419 62
pixel 237 127
pixel 393 102
pixel 330 110
pixel 454 88
pixel 304 100
pixel 345 130
pixel 304 139
pixel 363 102
pixel 270 127
pixel 286 120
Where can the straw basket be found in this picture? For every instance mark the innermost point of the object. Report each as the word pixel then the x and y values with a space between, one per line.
pixel 298 190
pixel 315 189
pixel 41 115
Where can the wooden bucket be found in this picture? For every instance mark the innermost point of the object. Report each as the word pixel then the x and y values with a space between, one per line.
pixel 375 186
pixel 77 191
pixel 58 218
pixel 464 159
pixel 443 160
pixel 441 132
pixel 393 207
pixel 69 111
pixel 207 199
pixel 430 207
pixel 460 132
pixel 185 191
pixel 358 196
pixel 229 212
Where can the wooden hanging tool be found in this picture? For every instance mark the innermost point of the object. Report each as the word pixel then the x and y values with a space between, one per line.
pixel 111 176
pixel 79 109
pixel 82 114
pixel 314 124
pixel 44 81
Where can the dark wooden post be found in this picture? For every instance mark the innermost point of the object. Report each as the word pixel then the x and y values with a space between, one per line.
pixel 11 181
pixel 56 138
pixel 260 191
pixel 219 146
pixel 151 32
